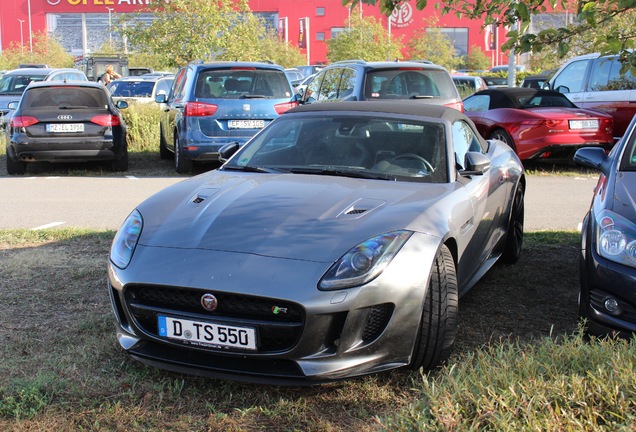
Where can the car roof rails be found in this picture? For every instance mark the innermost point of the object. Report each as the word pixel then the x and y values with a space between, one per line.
pixel 199 61
pixel 350 62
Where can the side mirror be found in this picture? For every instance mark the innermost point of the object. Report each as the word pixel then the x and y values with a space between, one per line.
pixel 563 89
pixel 476 164
pixel 227 151
pixel 592 157
pixel 121 104
pixel 13 105
pixel 161 98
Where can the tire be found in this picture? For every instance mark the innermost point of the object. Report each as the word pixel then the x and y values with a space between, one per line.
pixel 514 235
pixel 438 324
pixel 15 167
pixel 182 165
pixel 164 153
pixel 120 164
pixel 502 135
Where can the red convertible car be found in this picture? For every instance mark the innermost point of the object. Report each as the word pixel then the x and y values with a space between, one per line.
pixel 538 124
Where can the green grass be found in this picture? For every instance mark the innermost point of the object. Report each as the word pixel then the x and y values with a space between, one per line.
pixel 519 362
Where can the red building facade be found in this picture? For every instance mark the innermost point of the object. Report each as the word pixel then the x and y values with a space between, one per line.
pixel 305 23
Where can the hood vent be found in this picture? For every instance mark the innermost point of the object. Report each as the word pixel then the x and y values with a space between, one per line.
pixel 360 208
pixel 201 196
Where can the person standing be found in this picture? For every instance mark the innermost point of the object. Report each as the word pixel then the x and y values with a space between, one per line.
pixel 109 75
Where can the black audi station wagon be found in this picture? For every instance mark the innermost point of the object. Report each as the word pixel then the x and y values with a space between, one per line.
pixel 66 122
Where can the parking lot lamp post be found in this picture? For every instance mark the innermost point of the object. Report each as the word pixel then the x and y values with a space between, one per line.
pixel 21 35
pixel 110 26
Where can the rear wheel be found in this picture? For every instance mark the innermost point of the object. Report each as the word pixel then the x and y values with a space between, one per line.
pixel 15 167
pixel 502 135
pixel 514 236
pixel 438 324
pixel 120 164
pixel 182 164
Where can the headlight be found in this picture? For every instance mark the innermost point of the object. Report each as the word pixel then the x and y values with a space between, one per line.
pixel 126 239
pixel 364 262
pixel 616 238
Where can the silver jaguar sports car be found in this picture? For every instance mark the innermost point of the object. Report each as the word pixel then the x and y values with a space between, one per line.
pixel 335 243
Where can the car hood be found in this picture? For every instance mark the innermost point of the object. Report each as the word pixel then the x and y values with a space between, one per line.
pixel 624 195
pixel 293 216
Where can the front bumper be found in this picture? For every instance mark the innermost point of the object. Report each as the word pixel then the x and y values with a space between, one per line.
pixel 332 335
pixel 601 280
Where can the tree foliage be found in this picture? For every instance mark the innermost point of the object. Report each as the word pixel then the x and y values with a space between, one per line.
pixel 183 30
pixel 365 39
pixel 476 59
pixel 46 50
pixel 596 19
pixel 429 43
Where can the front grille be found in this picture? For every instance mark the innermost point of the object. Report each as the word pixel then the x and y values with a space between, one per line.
pixel 278 324
pixel 377 320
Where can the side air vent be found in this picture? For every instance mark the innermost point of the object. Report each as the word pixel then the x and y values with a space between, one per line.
pixel 202 195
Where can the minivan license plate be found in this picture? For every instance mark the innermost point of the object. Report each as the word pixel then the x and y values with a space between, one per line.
pixel 207 333
pixel 246 124
pixel 584 124
pixel 65 127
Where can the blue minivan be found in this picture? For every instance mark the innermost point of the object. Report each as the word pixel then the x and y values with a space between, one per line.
pixel 213 104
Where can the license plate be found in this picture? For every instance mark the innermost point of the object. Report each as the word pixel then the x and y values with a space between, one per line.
pixel 65 127
pixel 584 124
pixel 207 333
pixel 246 124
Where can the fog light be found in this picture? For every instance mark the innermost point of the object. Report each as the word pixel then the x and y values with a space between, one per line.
pixel 611 305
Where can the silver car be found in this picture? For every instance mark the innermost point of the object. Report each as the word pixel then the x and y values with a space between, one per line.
pixel 335 243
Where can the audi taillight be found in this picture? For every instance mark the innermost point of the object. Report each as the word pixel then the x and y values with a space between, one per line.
pixel 199 109
pixel 106 120
pixel 282 107
pixel 23 121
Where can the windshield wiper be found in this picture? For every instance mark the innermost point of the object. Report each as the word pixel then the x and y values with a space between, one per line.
pixel 65 107
pixel 248 168
pixel 253 96
pixel 342 173
pixel 416 96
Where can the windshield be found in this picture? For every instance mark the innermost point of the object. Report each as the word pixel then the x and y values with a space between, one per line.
pixel 131 88
pixel 544 100
pixel 242 84
pixel 407 83
pixel 349 145
pixel 64 97
pixel 16 84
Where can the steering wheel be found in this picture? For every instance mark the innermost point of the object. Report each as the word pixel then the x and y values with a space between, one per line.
pixel 413 156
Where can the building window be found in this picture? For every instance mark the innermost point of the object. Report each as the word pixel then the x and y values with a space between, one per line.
pixel 320 36
pixel 335 31
pixel 320 11
pixel 459 37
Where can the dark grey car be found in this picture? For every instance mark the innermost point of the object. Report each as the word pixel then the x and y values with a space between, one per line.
pixel 75 121
pixel 335 243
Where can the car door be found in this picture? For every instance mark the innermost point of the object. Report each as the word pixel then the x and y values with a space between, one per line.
pixel 173 108
pixel 610 91
pixel 487 193
pixel 571 80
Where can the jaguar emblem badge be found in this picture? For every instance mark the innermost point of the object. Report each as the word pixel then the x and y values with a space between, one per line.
pixel 209 302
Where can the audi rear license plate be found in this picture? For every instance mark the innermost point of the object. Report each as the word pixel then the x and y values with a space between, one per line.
pixel 65 127
pixel 584 124
pixel 207 333
pixel 246 124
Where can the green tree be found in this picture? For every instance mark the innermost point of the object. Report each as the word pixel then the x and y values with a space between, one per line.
pixel 365 39
pixel 429 43
pixel 184 30
pixel 596 19
pixel 476 59
pixel 46 50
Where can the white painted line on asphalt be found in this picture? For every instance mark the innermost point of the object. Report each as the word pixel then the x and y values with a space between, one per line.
pixel 51 225
pixel 132 178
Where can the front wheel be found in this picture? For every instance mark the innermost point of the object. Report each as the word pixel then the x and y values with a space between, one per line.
pixel 438 324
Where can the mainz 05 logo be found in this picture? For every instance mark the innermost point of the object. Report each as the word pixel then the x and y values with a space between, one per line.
pixel 99 2
pixel 402 16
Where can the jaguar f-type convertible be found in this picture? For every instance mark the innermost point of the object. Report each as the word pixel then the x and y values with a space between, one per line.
pixel 335 243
